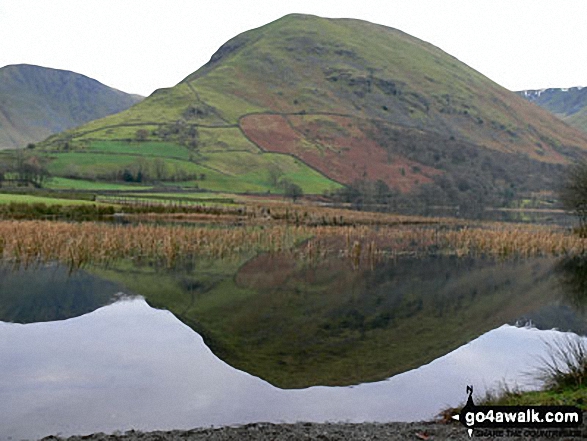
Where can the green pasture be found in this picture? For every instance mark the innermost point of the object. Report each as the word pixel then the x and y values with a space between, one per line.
pixel 235 172
pixel 97 164
pixel 253 169
pixel 58 183
pixel 224 139
pixel 116 133
pixel 148 148
pixel 6 198
pixel 196 197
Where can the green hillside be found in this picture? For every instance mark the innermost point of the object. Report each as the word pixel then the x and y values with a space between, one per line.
pixel 568 104
pixel 308 99
pixel 36 102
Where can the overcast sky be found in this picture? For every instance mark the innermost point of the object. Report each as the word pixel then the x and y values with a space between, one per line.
pixel 141 45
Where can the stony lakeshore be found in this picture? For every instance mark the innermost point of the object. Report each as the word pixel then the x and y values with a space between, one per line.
pixel 331 432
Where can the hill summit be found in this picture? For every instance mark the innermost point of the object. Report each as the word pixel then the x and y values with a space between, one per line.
pixel 38 101
pixel 325 102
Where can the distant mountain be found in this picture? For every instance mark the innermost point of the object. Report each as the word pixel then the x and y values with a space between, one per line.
pixel 352 101
pixel 568 104
pixel 36 102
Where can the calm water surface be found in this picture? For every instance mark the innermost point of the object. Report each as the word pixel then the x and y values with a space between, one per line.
pixel 77 359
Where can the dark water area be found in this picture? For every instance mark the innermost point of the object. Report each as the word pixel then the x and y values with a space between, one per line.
pixel 51 292
pixel 529 216
pixel 543 216
pixel 271 339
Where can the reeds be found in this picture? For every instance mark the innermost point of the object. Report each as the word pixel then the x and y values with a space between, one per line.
pixel 492 240
pixel 565 365
pixel 77 244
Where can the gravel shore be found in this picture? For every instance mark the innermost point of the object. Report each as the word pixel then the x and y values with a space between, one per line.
pixel 327 431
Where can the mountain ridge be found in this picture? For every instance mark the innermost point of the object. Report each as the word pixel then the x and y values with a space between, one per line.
pixel 354 101
pixel 569 104
pixel 37 101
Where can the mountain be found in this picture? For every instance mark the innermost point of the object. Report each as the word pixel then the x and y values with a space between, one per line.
pixel 36 102
pixel 336 101
pixel 568 104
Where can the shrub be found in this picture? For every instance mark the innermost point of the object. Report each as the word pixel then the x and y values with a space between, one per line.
pixel 565 366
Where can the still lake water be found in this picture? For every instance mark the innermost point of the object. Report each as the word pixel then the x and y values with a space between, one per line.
pixel 78 357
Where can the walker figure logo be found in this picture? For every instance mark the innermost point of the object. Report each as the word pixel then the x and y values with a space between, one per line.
pixel 514 418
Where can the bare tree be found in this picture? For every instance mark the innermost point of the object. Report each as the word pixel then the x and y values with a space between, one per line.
pixel 573 194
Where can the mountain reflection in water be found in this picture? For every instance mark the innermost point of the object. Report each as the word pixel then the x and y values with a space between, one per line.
pixel 267 324
pixel 128 366
pixel 298 324
pixel 51 292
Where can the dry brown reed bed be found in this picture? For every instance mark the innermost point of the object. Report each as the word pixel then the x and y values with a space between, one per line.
pixel 315 215
pixel 76 244
pixel 285 212
pixel 493 240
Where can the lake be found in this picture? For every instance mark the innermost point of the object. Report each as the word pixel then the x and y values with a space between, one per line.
pixel 270 339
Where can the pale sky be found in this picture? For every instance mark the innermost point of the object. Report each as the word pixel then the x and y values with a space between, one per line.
pixel 140 45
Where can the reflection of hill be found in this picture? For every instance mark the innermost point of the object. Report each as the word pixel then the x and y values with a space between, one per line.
pixel 299 325
pixel 49 293
pixel 573 275
pixel 571 314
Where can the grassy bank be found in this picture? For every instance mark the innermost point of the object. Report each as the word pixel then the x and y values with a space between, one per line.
pixel 562 373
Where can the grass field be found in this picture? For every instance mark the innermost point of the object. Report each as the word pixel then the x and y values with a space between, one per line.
pixel 116 133
pixel 224 140
pixel 199 197
pixel 28 199
pixel 254 169
pixel 57 183
pixel 246 170
pixel 93 165
pixel 159 149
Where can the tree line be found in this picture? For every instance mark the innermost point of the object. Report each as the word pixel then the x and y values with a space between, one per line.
pixel 23 168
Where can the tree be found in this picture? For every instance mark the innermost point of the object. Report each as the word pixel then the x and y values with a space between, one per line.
pixel 291 190
pixel 3 170
pixel 275 174
pixel 31 169
pixel 382 192
pixel 160 169
pixel 127 175
pixel 573 194
pixel 142 135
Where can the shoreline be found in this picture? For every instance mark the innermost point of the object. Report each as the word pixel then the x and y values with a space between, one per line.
pixel 321 431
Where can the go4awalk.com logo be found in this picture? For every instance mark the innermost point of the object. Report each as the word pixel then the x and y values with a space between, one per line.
pixel 548 421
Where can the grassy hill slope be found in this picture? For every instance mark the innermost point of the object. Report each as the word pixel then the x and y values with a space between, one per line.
pixel 348 100
pixel 36 102
pixel 568 104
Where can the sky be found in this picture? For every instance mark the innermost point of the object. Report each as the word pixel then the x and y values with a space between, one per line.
pixel 141 45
